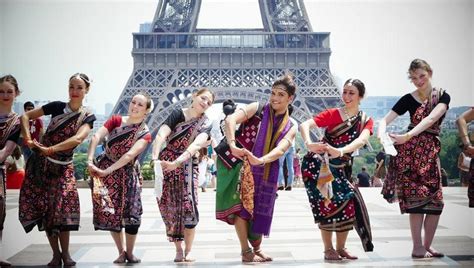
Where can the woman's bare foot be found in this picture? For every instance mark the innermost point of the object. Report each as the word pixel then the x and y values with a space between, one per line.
pixel 67 260
pixel 262 255
pixel 179 256
pixel 332 255
pixel 420 253
pixel 188 257
pixel 132 259
pixel 56 260
pixel 249 256
pixel 343 252
pixel 122 258
pixel 435 253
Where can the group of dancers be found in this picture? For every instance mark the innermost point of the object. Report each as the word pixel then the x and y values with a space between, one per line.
pixel 256 136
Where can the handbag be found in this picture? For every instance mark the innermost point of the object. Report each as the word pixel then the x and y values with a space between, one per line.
pixel 464 162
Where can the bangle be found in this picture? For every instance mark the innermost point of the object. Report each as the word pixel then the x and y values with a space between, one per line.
pixel 341 153
pixel 263 161
pixel 407 136
pixel 50 150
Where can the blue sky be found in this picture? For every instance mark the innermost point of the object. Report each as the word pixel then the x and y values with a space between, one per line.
pixel 43 42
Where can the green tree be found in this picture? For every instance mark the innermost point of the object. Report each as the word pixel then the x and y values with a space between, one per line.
pixel 80 165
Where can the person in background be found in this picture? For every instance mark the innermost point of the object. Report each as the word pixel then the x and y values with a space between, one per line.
pixel 287 159
pixel 297 168
pixel 363 178
pixel 36 129
pixel 15 169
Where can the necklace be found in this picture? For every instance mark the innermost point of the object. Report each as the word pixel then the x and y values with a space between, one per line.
pixel 422 96
pixel 348 117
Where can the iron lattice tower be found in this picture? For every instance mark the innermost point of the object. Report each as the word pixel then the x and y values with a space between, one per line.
pixel 174 58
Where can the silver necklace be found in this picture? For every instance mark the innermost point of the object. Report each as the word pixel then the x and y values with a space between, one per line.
pixel 348 117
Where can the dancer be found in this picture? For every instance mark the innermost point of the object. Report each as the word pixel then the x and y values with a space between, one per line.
pixel 185 131
pixel 414 173
pixel 336 204
pixel 248 203
pixel 48 196
pixel 9 136
pixel 468 149
pixel 117 180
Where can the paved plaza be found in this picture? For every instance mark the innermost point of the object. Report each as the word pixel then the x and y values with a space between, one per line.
pixel 294 239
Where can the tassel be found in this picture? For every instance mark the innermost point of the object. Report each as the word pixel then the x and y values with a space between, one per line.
pixel 324 184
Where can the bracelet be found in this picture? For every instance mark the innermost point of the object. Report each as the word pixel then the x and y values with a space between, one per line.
pixel 341 153
pixel 407 136
pixel 263 161
pixel 50 150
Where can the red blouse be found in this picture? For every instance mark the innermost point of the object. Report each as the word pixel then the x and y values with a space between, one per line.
pixel 116 121
pixel 330 118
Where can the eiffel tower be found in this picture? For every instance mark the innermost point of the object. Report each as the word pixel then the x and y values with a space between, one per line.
pixel 174 59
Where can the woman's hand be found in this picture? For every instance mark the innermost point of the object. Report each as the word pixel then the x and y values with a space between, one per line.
pixel 91 168
pixel 253 160
pixel 97 171
pixel 30 143
pixel 317 147
pixel 399 139
pixel 469 151
pixel 169 166
pixel 47 151
pixel 334 152
pixel 237 152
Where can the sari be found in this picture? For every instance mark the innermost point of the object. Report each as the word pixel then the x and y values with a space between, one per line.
pixel 236 192
pixel 48 196
pixel 179 200
pixel 9 130
pixel 344 208
pixel 116 198
pixel 414 174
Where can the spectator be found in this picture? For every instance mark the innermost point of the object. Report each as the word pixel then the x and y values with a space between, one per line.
pixel 36 129
pixel 15 169
pixel 363 178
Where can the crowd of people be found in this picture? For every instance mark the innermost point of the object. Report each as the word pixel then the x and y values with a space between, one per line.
pixel 247 167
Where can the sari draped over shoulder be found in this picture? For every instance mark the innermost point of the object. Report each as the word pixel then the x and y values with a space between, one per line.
pixel 346 207
pixel 235 192
pixel 48 196
pixel 414 175
pixel 9 126
pixel 116 198
pixel 178 203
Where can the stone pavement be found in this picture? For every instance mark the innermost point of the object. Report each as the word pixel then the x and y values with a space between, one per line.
pixel 294 241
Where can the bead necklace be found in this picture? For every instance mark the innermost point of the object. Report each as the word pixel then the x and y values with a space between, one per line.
pixel 348 117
